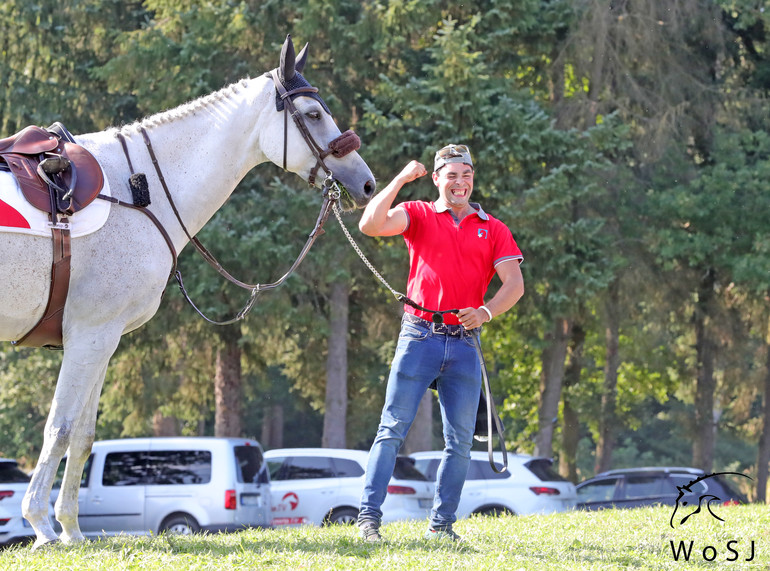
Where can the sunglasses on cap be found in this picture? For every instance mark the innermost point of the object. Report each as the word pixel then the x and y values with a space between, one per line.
pixel 453 151
pixel 452 154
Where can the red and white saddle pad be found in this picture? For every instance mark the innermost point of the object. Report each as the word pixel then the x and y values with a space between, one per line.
pixel 18 215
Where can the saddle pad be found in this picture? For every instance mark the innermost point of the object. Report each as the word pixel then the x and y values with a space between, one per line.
pixel 18 215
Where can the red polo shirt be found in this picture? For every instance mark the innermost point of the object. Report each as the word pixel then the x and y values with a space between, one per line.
pixel 451 264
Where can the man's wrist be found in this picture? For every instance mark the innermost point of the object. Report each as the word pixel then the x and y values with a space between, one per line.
pixel 485 309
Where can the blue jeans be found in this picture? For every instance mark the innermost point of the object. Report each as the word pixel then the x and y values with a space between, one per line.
pixel 422 356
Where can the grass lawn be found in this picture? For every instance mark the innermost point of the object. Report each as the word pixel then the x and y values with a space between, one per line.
pixel 610 539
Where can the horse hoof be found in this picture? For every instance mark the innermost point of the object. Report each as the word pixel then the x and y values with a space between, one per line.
pixel 43 543
pixel 72 539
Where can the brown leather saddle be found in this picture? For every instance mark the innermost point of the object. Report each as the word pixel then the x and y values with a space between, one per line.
pixel 54 173
pixel 59 177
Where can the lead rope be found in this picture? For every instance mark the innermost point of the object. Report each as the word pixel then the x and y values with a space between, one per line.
pixel 438 318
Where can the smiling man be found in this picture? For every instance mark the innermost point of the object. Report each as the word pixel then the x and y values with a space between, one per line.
pixel 455 248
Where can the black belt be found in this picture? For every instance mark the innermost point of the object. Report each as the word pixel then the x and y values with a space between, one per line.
pixel 439 328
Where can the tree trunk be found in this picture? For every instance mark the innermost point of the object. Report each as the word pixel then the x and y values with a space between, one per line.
pixel 164 425
pixel 763 456
pixel 337 368
pixel 704 441
pixel 551 379
pixel 606 443
pixel 596 86
pixel 272 427
pixel 227 384
pixel 570 434
pixel 420 435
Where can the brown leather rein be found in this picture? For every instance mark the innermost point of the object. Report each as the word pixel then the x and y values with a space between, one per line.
pixel 339 147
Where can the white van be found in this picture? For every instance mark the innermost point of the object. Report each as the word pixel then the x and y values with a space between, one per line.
pixel 181 485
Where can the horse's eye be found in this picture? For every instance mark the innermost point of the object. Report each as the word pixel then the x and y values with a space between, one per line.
pixel 314 115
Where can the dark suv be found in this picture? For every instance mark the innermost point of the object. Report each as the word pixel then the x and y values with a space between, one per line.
pixel 637 487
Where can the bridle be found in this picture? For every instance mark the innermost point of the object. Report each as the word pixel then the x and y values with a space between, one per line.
pixel 343 145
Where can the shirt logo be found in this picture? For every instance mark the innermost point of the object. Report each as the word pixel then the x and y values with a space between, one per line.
pixel 483 233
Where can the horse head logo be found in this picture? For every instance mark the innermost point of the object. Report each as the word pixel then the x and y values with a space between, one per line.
pixel 704 501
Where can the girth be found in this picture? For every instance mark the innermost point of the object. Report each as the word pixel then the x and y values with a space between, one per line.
pixel 59 177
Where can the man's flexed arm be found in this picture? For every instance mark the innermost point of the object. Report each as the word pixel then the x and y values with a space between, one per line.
pixel 379 219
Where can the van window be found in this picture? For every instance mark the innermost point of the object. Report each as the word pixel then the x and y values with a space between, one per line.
pixel 346 468
pixel 161 467
pixel 307 468
pixel 249 460
pixel 84 477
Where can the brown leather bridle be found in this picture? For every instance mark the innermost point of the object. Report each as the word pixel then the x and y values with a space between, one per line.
pixel 343 145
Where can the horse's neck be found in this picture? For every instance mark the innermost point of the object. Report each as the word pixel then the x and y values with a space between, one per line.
pixel 204 148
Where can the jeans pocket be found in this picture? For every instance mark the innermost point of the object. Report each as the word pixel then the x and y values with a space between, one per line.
pixel 412 332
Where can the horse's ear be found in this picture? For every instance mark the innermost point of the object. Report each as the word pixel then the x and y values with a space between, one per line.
pixel 287 60
pixel 301 59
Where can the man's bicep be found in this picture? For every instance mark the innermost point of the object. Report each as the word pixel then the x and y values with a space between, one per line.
pixel 396 222
pixel 510 270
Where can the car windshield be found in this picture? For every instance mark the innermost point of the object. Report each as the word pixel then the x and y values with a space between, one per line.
pixel 542 468
pixel 405 470
pixel 10 474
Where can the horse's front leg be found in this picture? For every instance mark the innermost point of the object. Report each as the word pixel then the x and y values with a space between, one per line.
pixel 82 371
pixel 81 440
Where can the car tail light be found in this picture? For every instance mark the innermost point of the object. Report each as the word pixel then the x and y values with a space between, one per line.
pixel 544 491
pixel 231 500
pixel 401 490
pixel 3 521
pixel 6 494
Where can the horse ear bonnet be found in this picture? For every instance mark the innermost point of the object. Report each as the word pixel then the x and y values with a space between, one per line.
pixel 294 83
pixel 292 78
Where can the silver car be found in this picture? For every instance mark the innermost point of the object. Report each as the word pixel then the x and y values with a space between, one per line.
pixel 180 485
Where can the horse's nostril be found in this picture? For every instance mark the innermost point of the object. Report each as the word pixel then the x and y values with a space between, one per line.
pixel 370 187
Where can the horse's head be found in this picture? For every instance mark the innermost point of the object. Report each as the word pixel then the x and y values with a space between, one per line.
pixel 312 145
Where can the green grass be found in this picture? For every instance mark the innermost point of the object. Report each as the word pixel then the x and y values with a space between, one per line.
pixel 611 539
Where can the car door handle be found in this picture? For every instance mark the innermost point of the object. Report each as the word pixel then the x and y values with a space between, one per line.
pixel 96 500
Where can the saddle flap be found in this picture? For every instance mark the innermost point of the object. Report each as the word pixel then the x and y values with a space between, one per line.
pixel 90 179
pixel 31 140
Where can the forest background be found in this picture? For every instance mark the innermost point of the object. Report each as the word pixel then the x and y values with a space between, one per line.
pixel 625 143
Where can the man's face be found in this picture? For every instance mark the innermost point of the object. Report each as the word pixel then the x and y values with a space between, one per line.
pixel 455 184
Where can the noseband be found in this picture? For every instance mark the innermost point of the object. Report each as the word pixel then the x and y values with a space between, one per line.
pixel 343 145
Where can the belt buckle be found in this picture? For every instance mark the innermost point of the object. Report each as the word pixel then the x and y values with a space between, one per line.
pixel 439 328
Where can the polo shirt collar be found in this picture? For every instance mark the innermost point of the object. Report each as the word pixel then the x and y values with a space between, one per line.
pixel 441 207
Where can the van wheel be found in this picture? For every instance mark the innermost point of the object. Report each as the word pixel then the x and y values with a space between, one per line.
pixel 342 516
pixel 180 524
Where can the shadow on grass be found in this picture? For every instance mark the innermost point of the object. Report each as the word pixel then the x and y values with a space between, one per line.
pixel 262 541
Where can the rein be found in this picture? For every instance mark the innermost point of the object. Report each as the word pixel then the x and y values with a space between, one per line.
pixel 438 317
pixel 330 198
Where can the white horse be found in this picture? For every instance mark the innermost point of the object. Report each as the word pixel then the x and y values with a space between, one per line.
pixel 118 273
